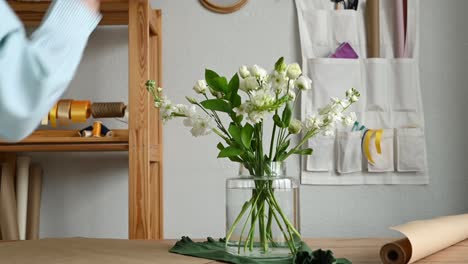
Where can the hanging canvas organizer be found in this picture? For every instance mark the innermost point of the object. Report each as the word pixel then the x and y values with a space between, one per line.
pixel 393 150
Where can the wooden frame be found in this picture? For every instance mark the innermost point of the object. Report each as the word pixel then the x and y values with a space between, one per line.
pixel 223 9
pixel 143 139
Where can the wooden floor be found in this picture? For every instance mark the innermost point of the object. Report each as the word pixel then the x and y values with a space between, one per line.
pixel 93 251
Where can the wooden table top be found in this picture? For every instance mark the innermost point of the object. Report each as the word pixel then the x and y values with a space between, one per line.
pixel 103 251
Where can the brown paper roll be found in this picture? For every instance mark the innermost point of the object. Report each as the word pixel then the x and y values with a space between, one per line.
pixel 396 252
pixel 34 202
pixel 373 28
pixel 8 217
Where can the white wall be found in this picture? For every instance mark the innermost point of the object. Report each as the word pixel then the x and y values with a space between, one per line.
pixel 86 194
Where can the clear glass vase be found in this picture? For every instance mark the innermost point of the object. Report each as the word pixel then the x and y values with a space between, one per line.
pixel 262 213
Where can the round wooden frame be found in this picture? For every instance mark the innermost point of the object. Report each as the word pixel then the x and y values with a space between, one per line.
pixel 223 9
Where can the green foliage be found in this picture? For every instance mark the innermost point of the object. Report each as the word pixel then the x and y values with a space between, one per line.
pixel 246 135
pixel 287 115
pixel 235 132
pixel 217 105
pixel 230 152
pixel 278 121
pixel 306 151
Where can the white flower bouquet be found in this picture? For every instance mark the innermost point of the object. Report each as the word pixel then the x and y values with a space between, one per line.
pixel 248 98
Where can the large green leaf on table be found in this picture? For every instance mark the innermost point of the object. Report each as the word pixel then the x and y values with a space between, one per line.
pixel 217 105
pixel 229 152
pixel 235 132
pixel 287 114
pixel 278 121
pixel 306 151
pixel 246 135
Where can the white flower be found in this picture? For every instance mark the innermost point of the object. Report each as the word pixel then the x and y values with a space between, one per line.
pixel 201 126
pixel 166 109
pixel 249 84
pixel 353 98
pixel 159 89
pixel 349 92
pixel 257 71
pixel 242 109
pixel 313 122
pixel 345 103
pixel 200 87
pixel 262 98
pixel 350 119
pixel 292 95
pixel 329 132
pixel 294 71
pixel 278 81
pixel 256 117
pixel 304 83
pixel 295 126
pixel 216 94
pixel 188 111
pixel 244 71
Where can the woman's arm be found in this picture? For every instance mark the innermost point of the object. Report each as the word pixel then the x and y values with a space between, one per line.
pixel 35 72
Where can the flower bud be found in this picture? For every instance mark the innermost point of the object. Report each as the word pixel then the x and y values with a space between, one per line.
pixel 294 71
pixel 295 126
pixel 200 87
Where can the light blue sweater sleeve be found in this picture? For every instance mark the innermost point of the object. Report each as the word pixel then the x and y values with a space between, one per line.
pixel 35 72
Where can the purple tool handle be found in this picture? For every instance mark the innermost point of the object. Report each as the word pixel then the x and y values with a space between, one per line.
pixel 345 51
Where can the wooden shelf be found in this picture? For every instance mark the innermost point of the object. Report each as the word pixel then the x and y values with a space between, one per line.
pixel 115 12
pixel 68 140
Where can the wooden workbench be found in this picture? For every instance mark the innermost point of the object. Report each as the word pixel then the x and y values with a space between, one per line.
pixel 105 251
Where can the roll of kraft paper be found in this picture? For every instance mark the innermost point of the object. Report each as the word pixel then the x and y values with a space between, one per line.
pixel 373 28
pixel 424 238
pixel 8 215
pixel 34 202
pixel 22 182
pixel 399 29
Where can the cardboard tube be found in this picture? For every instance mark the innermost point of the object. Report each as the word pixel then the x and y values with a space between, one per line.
pixel 34 202
pixel 8 216
pixel 373 28
pixel 22 181
pixel 399 29
pixel 397 252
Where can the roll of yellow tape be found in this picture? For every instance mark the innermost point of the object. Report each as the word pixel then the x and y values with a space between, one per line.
pixel 53 116
pixel 80 111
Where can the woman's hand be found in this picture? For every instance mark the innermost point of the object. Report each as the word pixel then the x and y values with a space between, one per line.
pixel 93 4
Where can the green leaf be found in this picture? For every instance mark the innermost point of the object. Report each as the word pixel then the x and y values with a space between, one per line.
pixel 235 132
pixel 287 115
pixel 246 135
pixel 236 100
pixel 306 151
pixel 235 159
pixel 219 84
pixel 230 152
pixel 210 75
pixel 217 105
pixel 234 84
pixel 220 146
pixel 282 148
pixel 279 65
pixel 278 121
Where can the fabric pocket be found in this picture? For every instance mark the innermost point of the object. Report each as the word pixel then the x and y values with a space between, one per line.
pixel 333 77
pixel 317 26
pixel 403 84
pixel 376 84
pixel 411 150
pixel 349 153
pixel 380 157
pixel 322 156
pixel 344 27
